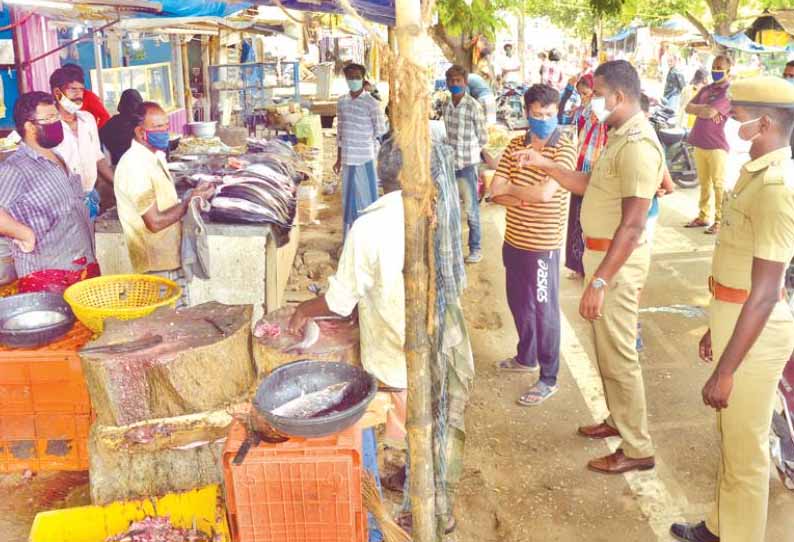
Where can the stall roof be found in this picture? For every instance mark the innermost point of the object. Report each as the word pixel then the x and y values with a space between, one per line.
pixel 378 11
pixel 741 42
pixel 622 35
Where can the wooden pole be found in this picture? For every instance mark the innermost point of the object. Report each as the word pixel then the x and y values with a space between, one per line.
pixel 100 84
pixel 186 80
pixel 522 43
pixel 412 127
pixel 22 80
pixel 205 76
pixel 390 65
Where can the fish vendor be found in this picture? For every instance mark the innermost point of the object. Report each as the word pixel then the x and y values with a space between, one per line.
pixel 361 124
pixel 149 209
pixel 370 278
pixel 41 203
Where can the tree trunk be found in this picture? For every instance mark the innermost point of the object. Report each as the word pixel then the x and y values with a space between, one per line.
pixel 700 26
pixel 412 129
pixel 452 47
pixel 522 44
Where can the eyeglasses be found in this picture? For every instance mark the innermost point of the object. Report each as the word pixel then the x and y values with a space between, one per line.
pixel 48 120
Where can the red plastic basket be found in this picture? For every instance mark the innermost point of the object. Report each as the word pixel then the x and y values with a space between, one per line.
pixel 302 490
pixel 45 410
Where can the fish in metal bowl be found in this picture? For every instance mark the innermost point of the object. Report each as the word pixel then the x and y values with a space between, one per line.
pixel 34 319
pixel 313 399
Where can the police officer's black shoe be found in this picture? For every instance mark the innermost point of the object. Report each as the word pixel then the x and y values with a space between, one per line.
pixel 688 532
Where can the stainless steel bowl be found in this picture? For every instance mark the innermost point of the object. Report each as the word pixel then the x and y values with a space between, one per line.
pixel 24 322
pixel 203 129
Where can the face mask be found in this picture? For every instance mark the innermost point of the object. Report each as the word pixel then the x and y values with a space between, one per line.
pixel 717 75
pixel 599 107
pixel 50 135
pixel 542 128
pixel 355 84
pixel 68 105
pixel 743 132
pixel 158 140
pixel 789 80
pixel 455 89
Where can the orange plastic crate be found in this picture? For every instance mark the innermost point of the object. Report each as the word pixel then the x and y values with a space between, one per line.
pixel 45 410
pixel 44 442
pixel 302 490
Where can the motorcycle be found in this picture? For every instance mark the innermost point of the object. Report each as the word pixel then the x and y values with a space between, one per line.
pixel 510 106
pixel 781 436
pixel 678 153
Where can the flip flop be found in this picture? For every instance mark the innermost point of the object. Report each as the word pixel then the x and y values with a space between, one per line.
pixel 697 223
pixel 510 365
pixel 537 394
pixel 713 230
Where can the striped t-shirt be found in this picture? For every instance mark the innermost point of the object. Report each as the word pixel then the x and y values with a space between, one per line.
pixel 359 122
pixel 537 226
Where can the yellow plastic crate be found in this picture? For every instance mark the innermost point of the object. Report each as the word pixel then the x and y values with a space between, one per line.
pixel 97 523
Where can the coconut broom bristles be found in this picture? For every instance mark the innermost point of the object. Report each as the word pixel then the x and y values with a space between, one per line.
pixel 375 505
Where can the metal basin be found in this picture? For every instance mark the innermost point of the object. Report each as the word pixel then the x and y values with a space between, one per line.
pixel 35 319
pixel 203 129
pixel 302 377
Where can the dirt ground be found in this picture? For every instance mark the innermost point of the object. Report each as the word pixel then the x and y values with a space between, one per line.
pixel 525 478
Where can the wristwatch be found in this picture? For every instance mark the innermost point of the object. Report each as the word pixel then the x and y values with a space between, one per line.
pixel 598 283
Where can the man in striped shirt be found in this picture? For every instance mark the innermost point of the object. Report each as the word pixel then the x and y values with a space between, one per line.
pixel 360 124
pixel 467 134
pixel 537 209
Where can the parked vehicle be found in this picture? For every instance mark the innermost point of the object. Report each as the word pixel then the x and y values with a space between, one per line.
pixel 510 106
pixel 678 153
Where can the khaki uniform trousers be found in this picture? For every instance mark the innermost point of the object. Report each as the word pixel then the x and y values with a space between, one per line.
pixel 710 165
pixel 739 514
pixel 616 350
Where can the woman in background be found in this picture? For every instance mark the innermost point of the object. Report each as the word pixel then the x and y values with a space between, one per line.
pixel 592 138
pixel 117 133
pixel 690 91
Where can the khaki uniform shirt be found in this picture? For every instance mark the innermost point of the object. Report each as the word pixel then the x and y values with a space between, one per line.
pixel 759 220
pixel 142 180
pixel 629 166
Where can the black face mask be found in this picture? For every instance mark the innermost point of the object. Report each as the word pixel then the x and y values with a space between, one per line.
pixel 49 135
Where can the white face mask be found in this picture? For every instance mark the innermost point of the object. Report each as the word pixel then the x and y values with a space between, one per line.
pixel 599 107
pixel 743 134
pixel 68 105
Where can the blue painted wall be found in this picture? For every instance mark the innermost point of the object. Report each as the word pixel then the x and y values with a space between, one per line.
pixel 9 77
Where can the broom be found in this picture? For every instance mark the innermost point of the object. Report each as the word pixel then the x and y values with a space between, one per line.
pixel 374 504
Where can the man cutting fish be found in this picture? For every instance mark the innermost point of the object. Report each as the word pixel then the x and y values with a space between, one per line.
pixel 149 208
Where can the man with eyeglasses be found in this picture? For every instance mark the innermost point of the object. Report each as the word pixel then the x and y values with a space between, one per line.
pixel 81 148
pixel 41 203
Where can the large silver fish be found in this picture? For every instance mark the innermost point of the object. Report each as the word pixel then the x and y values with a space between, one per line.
pixel 311 404
pixel 311 334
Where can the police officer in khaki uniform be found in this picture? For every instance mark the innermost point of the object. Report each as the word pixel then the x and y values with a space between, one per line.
pixel 617 196
pixel 751 334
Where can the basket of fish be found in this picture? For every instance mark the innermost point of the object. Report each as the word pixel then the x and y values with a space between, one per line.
pixel 313 399
pixel 34 319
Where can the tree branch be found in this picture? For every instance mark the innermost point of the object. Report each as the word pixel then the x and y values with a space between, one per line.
pixel 699 25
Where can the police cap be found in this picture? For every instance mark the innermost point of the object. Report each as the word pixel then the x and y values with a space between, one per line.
pixel 766 91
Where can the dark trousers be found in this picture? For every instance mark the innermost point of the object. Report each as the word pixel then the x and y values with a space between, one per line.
pixel 533 293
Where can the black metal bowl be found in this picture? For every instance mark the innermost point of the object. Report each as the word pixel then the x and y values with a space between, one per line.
pixel 301 377
pixel 18 305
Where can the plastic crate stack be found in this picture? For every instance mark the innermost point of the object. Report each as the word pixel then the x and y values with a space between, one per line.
pixel 306 490
pixel 45 411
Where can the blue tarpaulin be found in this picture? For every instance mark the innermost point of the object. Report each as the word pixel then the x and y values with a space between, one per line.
pixel 620 36
pixel 741 42
pixel 200 8
pixel 377 11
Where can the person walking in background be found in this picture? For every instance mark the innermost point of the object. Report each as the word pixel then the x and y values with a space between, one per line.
pixel 674 84
pixel 711 108
pixel 536 211
pixel 685 120
pixel 788 75
pixel 552 74
pixel 592 138
pixel 751 329
pixel 481 91
pixel 360 124
pixel 117 134
pixel 466 133
pixel 510 67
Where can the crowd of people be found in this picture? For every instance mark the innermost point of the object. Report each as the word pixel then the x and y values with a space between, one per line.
pixel 601 181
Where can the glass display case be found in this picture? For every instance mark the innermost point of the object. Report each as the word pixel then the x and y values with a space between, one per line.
pixel 153 81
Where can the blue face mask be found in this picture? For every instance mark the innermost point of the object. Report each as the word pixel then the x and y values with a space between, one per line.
pixel 158 140
pixel 456 89
pixel 718 75
pixel 789 80
pixel 542 128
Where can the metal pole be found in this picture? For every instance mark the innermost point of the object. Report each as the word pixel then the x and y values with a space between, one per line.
pixel 100 84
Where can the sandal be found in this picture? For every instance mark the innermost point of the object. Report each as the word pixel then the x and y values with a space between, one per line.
pixel 697 223
pixel 511 365
pixel 537 394
pixel 713 230
pixel 406 522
